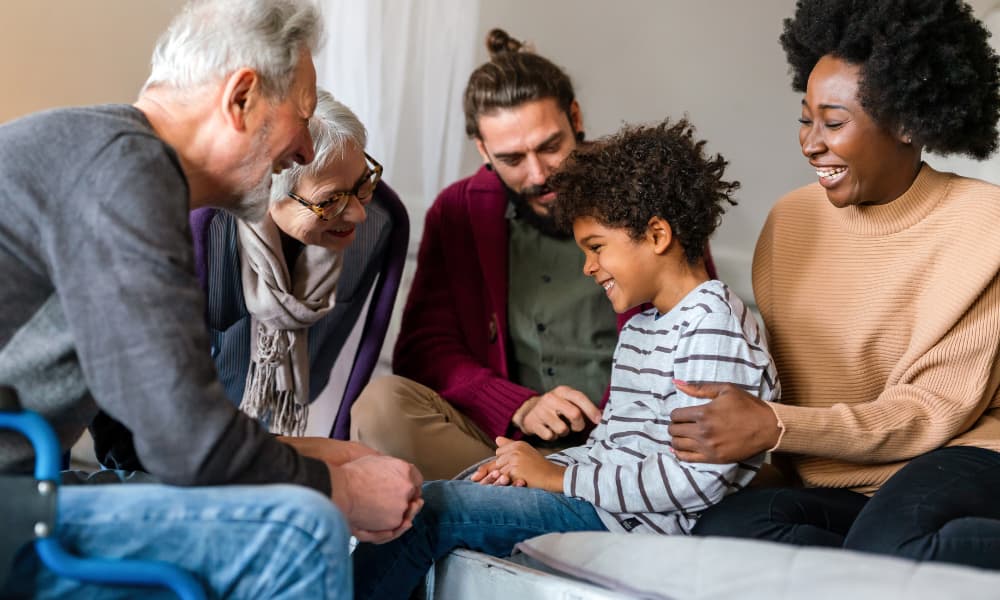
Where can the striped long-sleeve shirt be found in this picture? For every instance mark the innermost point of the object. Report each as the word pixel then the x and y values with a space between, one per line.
pixel 626 468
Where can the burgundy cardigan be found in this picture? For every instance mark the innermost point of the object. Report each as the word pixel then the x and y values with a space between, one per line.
pixel 454 337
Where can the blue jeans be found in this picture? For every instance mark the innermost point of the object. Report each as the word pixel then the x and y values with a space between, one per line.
pixel 463 514
pixel 273 541
pixel 942 506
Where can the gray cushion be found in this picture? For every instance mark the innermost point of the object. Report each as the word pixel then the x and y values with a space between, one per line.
pixel 655 566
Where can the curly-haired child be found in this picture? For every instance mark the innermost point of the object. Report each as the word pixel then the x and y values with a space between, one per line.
pixel 642 205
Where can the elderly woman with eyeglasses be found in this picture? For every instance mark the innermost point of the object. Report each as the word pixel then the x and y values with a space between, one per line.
pixel 269 323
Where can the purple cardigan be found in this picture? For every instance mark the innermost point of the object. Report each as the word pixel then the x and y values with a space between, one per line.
pixel 454 337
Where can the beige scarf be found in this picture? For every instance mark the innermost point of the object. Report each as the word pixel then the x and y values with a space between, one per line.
pixel 282 308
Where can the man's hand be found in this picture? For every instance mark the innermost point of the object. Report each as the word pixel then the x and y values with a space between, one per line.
pixel 378 495
pixel 734 426
pixel 332 452
pixel 544 415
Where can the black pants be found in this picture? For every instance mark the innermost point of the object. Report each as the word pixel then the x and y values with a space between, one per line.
pixel 942 506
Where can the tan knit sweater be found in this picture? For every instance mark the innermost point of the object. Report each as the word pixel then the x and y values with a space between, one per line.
pixel 884 322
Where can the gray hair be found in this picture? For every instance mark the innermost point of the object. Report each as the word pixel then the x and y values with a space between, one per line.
pixel 334 128
pixel 211 39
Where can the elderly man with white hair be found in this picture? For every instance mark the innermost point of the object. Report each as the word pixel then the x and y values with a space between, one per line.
pixel 102 310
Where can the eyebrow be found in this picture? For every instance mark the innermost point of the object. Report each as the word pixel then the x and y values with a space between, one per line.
pixel 552 138
pixel 357 181
pixel 587 240
pixel 827 106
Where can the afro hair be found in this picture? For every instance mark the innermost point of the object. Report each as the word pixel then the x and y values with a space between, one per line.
pixel 626 179
pixel 927 68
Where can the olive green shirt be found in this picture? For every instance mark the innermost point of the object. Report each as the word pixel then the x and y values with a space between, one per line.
pixel 563 329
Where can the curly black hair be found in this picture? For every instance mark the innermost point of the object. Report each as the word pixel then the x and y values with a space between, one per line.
pixel 626 179
pixel 927 68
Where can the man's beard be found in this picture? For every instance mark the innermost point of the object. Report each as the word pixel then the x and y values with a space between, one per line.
pixel 255 197
pixel 545 224
pixel 253 204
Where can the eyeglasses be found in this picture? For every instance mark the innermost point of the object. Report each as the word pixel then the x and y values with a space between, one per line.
pixel 338 201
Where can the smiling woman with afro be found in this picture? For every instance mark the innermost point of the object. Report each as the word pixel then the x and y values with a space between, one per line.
pixel 879 289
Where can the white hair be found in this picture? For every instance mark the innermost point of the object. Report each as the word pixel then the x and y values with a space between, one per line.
pixel 334 128
pixel 211 39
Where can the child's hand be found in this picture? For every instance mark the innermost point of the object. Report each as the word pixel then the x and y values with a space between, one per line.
pixel 520 464
pixel 489 474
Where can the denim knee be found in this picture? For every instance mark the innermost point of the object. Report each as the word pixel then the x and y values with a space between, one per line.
pixel 311 512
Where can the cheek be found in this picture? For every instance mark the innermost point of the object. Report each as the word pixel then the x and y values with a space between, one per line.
pixel 554 161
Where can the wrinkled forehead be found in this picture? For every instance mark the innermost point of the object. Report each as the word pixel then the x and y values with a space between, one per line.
pixel 523 127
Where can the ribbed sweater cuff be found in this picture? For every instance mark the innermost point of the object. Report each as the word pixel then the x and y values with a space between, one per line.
pixel 499 399
pixel 781 426
pixel 809 430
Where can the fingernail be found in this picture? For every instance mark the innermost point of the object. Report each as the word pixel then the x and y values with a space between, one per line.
pixel 680 381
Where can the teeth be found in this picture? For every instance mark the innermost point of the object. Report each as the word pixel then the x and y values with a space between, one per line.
pixel 607 285
pixel 828 173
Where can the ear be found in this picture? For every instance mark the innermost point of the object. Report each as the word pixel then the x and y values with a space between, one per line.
pixel 576 116
pixel 658 232
pixel 482 151
pixel 904 137
pixel 240 95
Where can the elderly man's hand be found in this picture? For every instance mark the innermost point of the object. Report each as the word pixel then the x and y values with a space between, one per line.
pixel 379 496
pixel 733 426
pixel 556 413
pixel 332 452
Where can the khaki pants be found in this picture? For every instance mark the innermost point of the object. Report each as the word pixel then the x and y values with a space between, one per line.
pixel 402 418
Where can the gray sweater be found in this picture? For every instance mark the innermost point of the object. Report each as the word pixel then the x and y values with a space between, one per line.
pixel 100 307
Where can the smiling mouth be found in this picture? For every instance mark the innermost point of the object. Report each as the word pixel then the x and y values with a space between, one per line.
pixel 607 284
pixel 338 232
pixel 829 174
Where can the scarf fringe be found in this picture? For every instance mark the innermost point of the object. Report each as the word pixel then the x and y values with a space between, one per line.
pixel 264 402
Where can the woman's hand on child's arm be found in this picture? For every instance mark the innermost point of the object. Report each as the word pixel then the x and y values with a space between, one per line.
pixel 523 465
pixel 733 426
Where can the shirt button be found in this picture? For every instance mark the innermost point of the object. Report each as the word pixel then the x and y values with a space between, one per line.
pixel 540 327
pixel 550 371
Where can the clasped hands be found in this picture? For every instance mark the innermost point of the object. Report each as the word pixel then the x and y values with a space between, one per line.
pixel 378 495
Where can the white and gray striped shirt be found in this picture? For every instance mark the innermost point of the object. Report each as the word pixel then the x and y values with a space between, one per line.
pixel 626 468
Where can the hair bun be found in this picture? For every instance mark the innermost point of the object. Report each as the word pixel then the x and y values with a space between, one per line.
pixel 499 42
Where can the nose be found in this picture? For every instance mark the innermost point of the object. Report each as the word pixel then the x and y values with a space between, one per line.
pixel 305 153
pixel 590 265
pixel 537 172
pixel 355 211
pixel 811 140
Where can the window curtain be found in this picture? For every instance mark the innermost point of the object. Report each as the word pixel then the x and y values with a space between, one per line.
pixel 402 65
